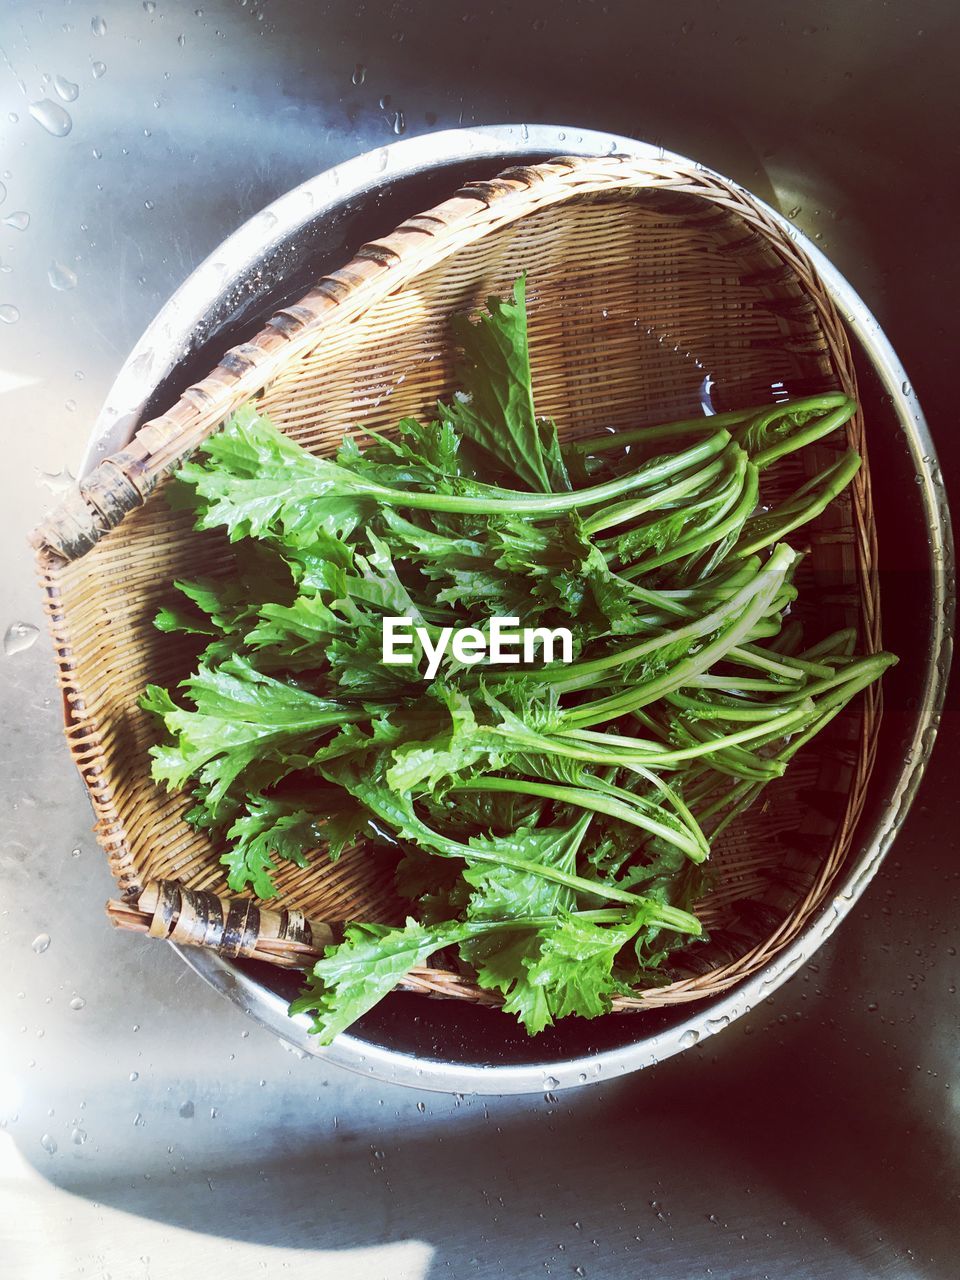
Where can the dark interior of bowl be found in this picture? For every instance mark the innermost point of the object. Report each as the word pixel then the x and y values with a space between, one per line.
pixel 455 1031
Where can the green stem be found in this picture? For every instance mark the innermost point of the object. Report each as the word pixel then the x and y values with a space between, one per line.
pixel 446 847
pixel 710 534
pixel 743 418
pixel 580 674
pixel 764 590
pixel 681 488
pixel 774 727
pixel 809 433
pixel 661 913
pixel 803 506
pixel 514 502
pixel 587 798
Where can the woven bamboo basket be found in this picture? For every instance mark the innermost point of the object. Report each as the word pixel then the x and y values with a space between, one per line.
pixel 644 279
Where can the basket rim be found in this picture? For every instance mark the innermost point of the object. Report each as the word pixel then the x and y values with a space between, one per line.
pixel 366 273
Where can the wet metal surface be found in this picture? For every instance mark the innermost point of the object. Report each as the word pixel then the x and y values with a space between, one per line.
pixel 151 1127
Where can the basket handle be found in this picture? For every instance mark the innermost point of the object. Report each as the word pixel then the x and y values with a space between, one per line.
pixel 233 927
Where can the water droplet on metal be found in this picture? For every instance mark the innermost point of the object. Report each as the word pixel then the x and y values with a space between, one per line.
pixel 148 204
pixel 689 1038
pixel 795 211
pixel 187 1110
pixel 99 69
pixel 40 943
pixel 9 314
pixel 77 1003
pixel 98 26
pixel 49 1144
pixel 54 118
pixel 181 40
pixel 551 1082
pixel 421 1107
pixel 397 123
pixel 78 1136
pixel 66 89
pixel 906 388
pixel 61 277
pixel 134 1075
pixel 18 637
pixel 359 73
pixel 149 6
pixel 138 1120
pixel 18 221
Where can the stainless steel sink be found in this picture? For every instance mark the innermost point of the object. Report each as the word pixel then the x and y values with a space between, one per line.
pixel 817 1136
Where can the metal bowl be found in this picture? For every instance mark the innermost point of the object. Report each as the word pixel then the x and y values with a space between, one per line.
pixel 272 258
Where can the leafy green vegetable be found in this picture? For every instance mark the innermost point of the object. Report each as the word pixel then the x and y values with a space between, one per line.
pixel 550 823
pixel 495 408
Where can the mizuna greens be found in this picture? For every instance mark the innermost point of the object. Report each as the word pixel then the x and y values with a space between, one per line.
pixel 550 824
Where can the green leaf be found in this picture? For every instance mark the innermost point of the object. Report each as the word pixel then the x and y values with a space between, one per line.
pixel 495 408
pixel 357 974
pixel 574 968
pixel 502 963
pixel 503 960
pixel 425 764
pixel 241 716
pixel 170 620
pixel 256 482
pixel 285 827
